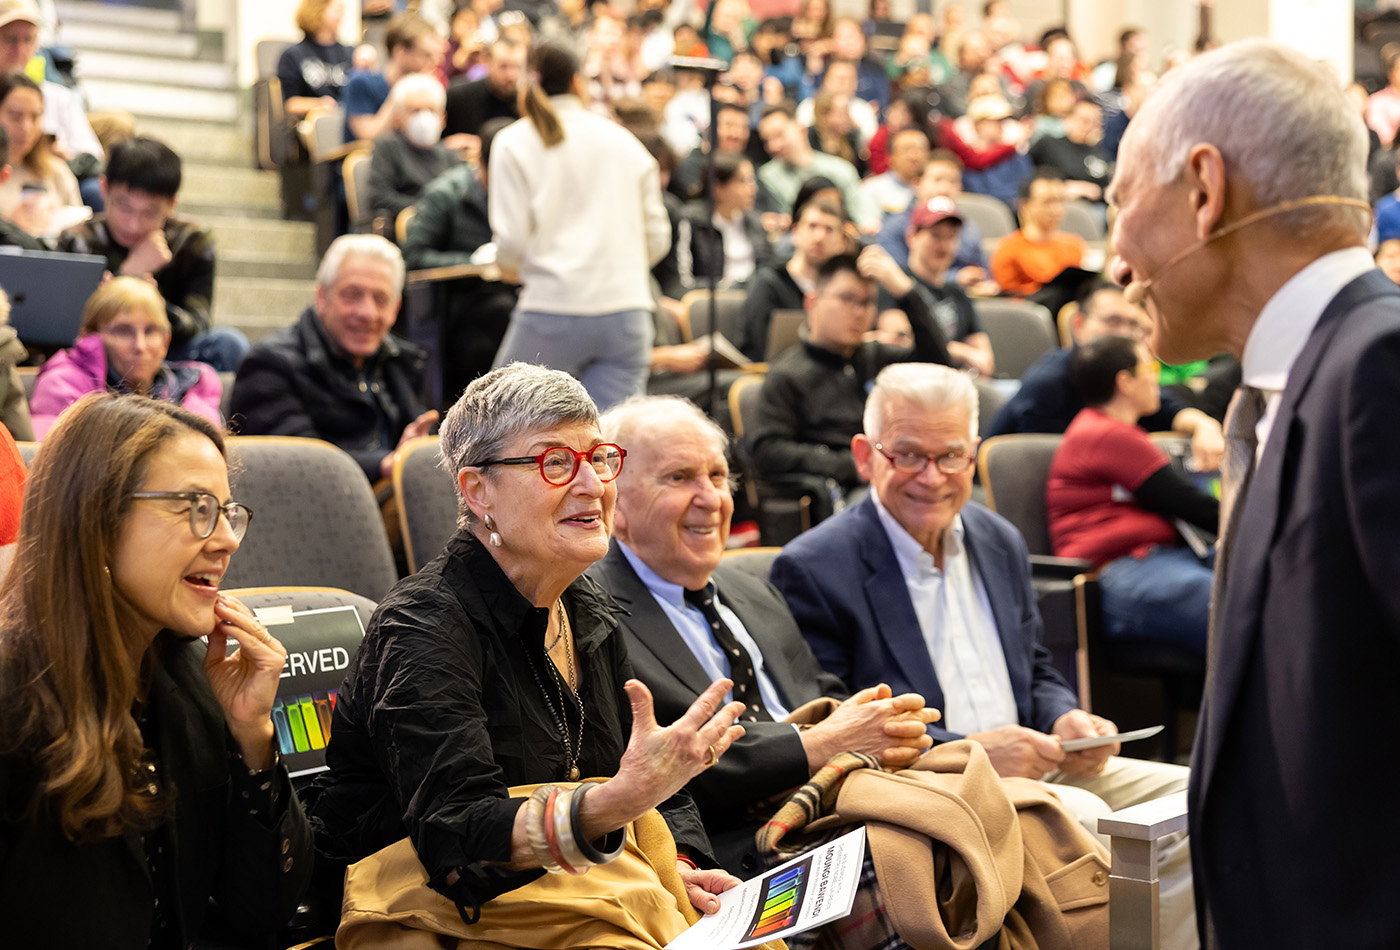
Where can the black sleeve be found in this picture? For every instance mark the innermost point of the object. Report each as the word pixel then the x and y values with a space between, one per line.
pixel 930 345
pixel 1166 493
pixel 776 442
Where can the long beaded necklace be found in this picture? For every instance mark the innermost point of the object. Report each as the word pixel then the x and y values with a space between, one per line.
pixel 572 749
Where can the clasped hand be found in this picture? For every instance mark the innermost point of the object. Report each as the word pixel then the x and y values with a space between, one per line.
pixel 875 722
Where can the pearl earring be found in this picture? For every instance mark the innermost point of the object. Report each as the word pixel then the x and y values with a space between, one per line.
pixel 495 537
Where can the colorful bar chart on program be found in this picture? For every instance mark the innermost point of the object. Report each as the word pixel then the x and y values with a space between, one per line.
pixel 781 900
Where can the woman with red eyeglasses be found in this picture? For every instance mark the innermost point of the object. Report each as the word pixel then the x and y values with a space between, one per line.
pixel 497 666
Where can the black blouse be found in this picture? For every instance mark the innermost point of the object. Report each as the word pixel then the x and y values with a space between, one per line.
pixel 440 714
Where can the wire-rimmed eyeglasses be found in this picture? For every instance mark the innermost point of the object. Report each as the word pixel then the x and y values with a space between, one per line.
pixel 204 511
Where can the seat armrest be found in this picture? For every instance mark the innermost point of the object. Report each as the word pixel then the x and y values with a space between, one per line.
pixel 1134 907
pixel 1067 568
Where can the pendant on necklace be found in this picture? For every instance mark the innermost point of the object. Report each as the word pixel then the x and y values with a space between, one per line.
pixel 573 774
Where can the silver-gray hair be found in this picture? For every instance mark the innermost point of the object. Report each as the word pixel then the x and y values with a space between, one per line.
pixel 418 84
pixel 625 422
pixel 359 245
pixel 926 385
pixel 1279 119
pixel 506 403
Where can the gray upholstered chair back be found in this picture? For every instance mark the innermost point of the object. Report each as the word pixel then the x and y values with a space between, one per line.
pixel 315 519
pixel 427 501
pixel 1021 332
pixel 991 215
pixel 1014 469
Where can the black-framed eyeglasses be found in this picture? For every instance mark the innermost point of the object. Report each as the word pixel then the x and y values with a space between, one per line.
pixel 913 463
pixel 204 511
pixel 559 465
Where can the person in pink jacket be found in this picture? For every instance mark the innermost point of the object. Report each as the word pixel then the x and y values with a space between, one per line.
pixel 125 337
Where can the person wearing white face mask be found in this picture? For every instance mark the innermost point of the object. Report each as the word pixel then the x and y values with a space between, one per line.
pixel 409 155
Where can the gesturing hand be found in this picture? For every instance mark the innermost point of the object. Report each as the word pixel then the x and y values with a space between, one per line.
pixel 245 684
pixel 659 761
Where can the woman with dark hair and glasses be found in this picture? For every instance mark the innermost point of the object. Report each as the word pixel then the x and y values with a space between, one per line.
pixel 138 775
pixel 499 664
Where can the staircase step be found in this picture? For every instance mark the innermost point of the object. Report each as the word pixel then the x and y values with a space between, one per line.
pixel 292 240
pixel 229 185
pixel 160 100
pixel 261 301
pixel 90 37
pixel 118 15
pixel 252 264
pixel 147 68
pixel 206 143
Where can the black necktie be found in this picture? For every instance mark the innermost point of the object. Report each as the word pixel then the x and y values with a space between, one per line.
pixel 741 669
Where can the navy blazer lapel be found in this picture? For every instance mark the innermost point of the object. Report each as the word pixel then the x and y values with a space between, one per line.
pixel 1258 526
pixel 890 607
pixel 645 619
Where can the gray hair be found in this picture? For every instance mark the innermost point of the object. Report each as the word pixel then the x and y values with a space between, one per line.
pixel 624 422
pixel 499 407
pixel 1278 118
pixel 926 385
pixel 359 245
pixel 418 84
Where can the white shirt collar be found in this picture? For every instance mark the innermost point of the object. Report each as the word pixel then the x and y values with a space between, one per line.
pixel 1288 319
pixel 914 561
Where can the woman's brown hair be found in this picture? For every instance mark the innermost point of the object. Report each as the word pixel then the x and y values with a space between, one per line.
pixel 40 158
pixel 832 143
pixel 552 71
pixel 70 670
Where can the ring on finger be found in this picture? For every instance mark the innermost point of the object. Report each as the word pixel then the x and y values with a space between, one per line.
pixel 712 758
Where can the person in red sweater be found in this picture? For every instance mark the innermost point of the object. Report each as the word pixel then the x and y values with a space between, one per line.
pixel 1113 498
pixel 1029 258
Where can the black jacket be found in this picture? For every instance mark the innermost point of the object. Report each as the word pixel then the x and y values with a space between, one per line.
pixel 449 702
pixel 54 893
pixel 450 223
pixel 700 248
pixel 296 382
pixel 813 399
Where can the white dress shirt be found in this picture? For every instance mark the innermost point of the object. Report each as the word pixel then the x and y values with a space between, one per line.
pixel 694 629
pixel 1286 322
pixel 955 618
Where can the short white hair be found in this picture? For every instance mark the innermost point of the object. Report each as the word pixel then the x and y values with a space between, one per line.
pixel 418 84
pixel 637 416
pixel 925 385
pixel 1279 119
pixel 360 245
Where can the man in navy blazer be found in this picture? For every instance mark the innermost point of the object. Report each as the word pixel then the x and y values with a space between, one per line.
pixel 923 589
pixel 674 505
pixel 1291 811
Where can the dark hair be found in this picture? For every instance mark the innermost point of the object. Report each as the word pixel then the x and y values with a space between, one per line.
pixel 1094 366
pixel 1093 287
pixel 1051 34
pixel 946 156
pixel 145 165
pixel 405 29
pixel 809 190
pixel 1042 173
pixel 840 263
pixel 785 107
pixel 731 106
pixel 916 101
pixel 1127 34
pixel 665 157
pixel 4 146
pixel 488 131
pixel 555 65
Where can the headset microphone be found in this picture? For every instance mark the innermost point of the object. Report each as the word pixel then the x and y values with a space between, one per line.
pixel 1136 291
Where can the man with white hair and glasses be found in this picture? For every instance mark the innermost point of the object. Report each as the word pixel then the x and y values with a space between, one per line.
pixel 1242 224
pixel 919 587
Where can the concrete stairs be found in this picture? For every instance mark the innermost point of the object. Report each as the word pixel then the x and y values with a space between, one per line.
pixel 182 92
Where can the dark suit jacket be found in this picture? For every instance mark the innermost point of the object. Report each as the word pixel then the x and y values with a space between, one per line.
pixel 1294 834
pixel 54 893
pixel 845 589
pixel 769 759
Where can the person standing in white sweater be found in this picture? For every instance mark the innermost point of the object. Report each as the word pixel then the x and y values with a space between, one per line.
pixel 575 208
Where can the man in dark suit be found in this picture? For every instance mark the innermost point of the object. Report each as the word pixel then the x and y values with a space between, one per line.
pixel 1305 630
pixel 670 527
pixel 919 587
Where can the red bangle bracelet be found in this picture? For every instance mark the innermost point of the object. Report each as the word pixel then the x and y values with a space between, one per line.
pixel 550 839
pixel 684 860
